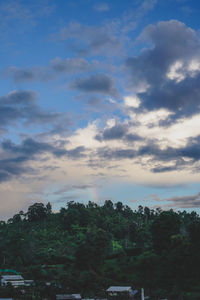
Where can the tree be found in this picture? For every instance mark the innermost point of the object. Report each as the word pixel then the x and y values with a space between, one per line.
pixel 36 212
pixel 108 204
pixel 163 228
pixel 92 251
pixel 119 206
pixel 49 208
pixel 75 214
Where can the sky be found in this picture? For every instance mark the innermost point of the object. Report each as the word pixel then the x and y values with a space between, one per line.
pixel 99 100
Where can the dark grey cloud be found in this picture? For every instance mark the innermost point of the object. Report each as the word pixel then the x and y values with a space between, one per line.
pixel 107 153
pixel 56 68
pixel 13 167
pixel 114 133
pixel 162 169
pixel 171 42
pixel 70 188
pixel 162 160
pixel 29 74
pixel 191 151
pixel 98 83
pixel 130 137
pixel 154 150
pixel 118 132
pixel 27 149
pixel 181 98
pixel 188 201
pixel 16 157
pixel 67 198
pixel 83 186
pixel 30 147
pixel 22 74
pixel 75 153
pixel 21 106
pixel 178 164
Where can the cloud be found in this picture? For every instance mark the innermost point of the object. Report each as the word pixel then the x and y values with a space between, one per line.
pixel 57 67
pixel 30 147
pixel 190 152
pixel 17 17
pixel 94 101
pixel 15 157
pixel 117 132
pixel 12 167
pixel 188 201
pixel 107 39
pixel 22 74
pixel 108 154
pixel 147 5
pixel 132 18
pixel 180 98
pixel 157 158
pixel 83 186
pixel 29 74
pixel 85 39
pixel 74 187
pixel 67 198
pixel 101 7
pixel 75 153
pixel 70 65
pixel 161 169
pixel 21 106
pixel 113 133
pixel 169 68
pixel 98 83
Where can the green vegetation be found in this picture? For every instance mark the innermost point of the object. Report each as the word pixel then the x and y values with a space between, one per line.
pixel 87 248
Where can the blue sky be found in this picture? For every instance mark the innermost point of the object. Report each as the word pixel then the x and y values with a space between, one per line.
pixel 99 100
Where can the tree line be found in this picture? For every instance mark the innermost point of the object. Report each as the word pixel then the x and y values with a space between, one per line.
pixel 87 247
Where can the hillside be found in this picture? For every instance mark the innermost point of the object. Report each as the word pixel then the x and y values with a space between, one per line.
pixel 86 248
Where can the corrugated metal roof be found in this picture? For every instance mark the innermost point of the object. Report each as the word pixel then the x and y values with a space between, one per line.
pixel 119 289
pixel 12 277
pixel 67 296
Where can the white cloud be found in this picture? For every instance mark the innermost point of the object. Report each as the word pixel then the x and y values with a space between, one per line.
pixel 180 70
pixel 132 101
pixel 175 72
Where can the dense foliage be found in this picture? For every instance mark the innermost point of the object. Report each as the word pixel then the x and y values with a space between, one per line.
pixel 87 248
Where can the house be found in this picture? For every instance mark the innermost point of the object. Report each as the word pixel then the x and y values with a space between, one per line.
pixel 29 282
pixel 14 280
pixel 68 297
pixel 121 292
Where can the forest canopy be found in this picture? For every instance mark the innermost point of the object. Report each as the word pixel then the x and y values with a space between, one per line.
pixel 87 247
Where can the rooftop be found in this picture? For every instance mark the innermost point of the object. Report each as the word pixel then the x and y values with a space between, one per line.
pixel 119 289
pixel 68 296
pixel 12 277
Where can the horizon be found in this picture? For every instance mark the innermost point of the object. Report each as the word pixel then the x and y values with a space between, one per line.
pixel 100 100
pixel 24 215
